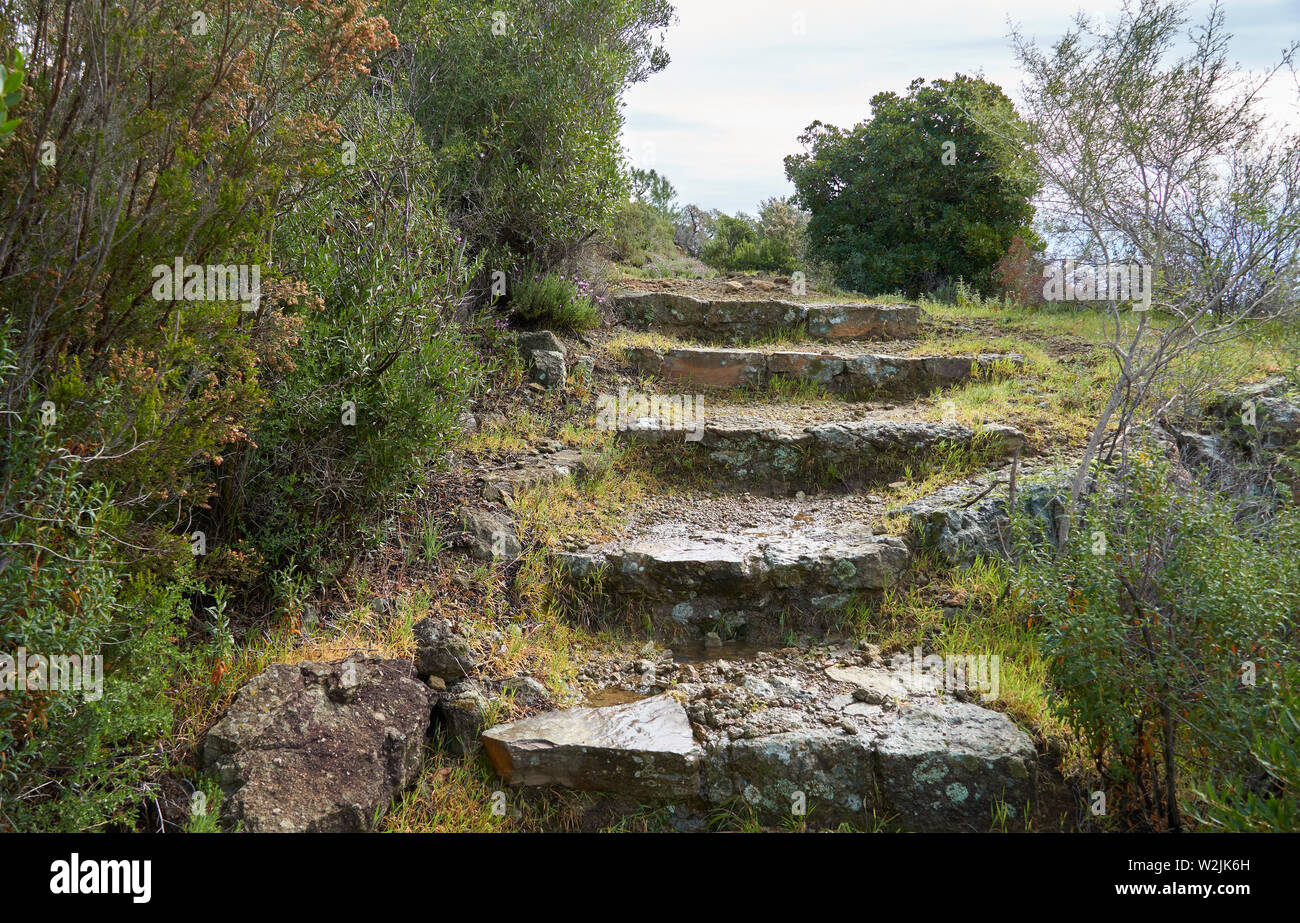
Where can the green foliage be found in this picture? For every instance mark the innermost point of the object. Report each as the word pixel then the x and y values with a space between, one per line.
pixel 739 244
pixel 520 102
pixel 71 760
pixel 1269 800
pixel 648 187
pixel 637 232
pixel 921 193
pixel 553 301
pixel 389 272
pixel 11 93
pixel 1150 614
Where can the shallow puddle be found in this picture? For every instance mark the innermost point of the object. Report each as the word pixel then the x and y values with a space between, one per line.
pixel 604 697
pixel 697 652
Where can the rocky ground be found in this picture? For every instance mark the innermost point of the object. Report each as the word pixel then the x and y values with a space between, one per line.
pixel 774 528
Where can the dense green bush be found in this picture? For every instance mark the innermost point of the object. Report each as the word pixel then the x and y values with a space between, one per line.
pixel 553 301
pixel 1150 613
pixel 739 244
pixel 637 231
pixel 520 101
pixel 386 273
pixel 933 187
pixel 72 760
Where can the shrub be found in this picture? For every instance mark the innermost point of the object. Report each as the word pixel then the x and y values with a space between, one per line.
pixel 639 231
pixel 1019 274
pixel 740 244
pixel 890 212
pixel 378 341
pixel 553 301
pixel 70 761
pixel 1150 614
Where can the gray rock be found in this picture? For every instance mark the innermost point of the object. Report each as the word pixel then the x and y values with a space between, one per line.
pixel 643 749
pixel 945 767
pixel 532 340
pixel 462 710
pixel 441 652
pixel 547 368
pixel 584 369
pixel 491 536
pixel 834 772
pixel 533 470
pixel 959 531
pixel 319 747
pixel 526 689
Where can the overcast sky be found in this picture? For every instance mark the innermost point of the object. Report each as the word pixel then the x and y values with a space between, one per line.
pixel 747 76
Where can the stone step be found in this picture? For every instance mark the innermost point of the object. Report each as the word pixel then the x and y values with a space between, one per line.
pixel 850 739
pixel 643 749
pixel 784 457
pixel 858 375
pixel 736 320
pixel 756 581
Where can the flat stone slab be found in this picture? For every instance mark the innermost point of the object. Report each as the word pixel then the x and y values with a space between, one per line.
pixel 748 578
pixel 786 457
pixel 643 749
pixel 319 747
pixel 732 320
pixel 858 375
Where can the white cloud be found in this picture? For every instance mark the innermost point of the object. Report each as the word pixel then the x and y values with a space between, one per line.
pixel 744 84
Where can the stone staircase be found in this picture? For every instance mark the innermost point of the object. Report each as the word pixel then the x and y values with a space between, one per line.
pixel 731 718
pixel 778 545
pixel 857 375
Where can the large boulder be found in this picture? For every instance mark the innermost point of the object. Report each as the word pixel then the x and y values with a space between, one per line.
pixel 319 747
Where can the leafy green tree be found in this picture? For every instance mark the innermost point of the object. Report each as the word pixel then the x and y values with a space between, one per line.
pixel 920 194
pixel 653 189
pixel 520 102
